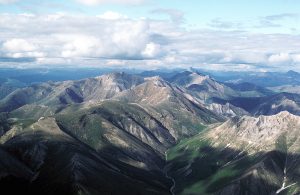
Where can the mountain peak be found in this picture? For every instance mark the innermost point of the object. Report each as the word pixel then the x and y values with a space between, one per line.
pixel 157 81
pixel 114 75
pixel 192 72
pixel 284 114
pixel 293 73
pixel 188 78
pixel 280 118
pixel 259 133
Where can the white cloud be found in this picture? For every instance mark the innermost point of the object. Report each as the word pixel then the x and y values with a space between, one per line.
pixel 110 15
pixel 114 39
pixel 280 58
pixel 66 36
pixel 18 45
pixel 79 46
pixel 152 50
pixel 296 58
pixel 20 48
pixel 7 1
pixel 98 2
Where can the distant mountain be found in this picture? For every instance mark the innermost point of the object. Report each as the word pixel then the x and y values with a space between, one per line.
pixel 293 73
pixel 269 105
pixel 277 103
pixel 8 85
pixel 286 89
pixel 242 156
pixel 202 86
pixel 264 79
pixel 206 88
pixel 163 73
pixel 29 76
pixel 250 88
pixel 67 92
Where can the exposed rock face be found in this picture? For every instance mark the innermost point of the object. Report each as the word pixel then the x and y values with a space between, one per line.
pixel 227 110
pixel 173 106
pixel 153 91
pixel 107 86
pixel 257 155
pixel 202 86
pixel 258 133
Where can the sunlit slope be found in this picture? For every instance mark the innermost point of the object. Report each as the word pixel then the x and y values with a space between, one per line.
pixel 242 156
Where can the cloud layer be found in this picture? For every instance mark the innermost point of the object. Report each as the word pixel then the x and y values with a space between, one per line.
pixel 115 39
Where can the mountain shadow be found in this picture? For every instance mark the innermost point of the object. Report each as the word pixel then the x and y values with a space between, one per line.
pixel 40 163
pixel 225 171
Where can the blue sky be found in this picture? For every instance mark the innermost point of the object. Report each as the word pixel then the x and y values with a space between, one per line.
pixel 214 34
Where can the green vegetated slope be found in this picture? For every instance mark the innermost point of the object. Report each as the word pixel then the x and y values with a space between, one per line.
pixel 242 156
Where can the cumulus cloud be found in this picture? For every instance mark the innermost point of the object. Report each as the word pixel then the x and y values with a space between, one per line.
pixel 285 59
pixel 296 58
pixel 20 48
pixel 98 2
pixel 280 58
pixel 110 15
pixel 152 50
pixel 18 45
pixel 114 39
pixel 108 36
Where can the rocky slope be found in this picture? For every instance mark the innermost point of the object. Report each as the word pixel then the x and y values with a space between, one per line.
pixel 227 110
pixel 59 94
pixel 181 113
pixel 206 88
pixel 255 156
pixel 127 121
pixel 202 86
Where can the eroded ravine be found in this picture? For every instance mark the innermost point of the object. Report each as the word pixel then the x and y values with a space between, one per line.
pixel 165 170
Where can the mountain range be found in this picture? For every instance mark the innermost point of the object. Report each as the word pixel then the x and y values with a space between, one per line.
pixel 182 132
